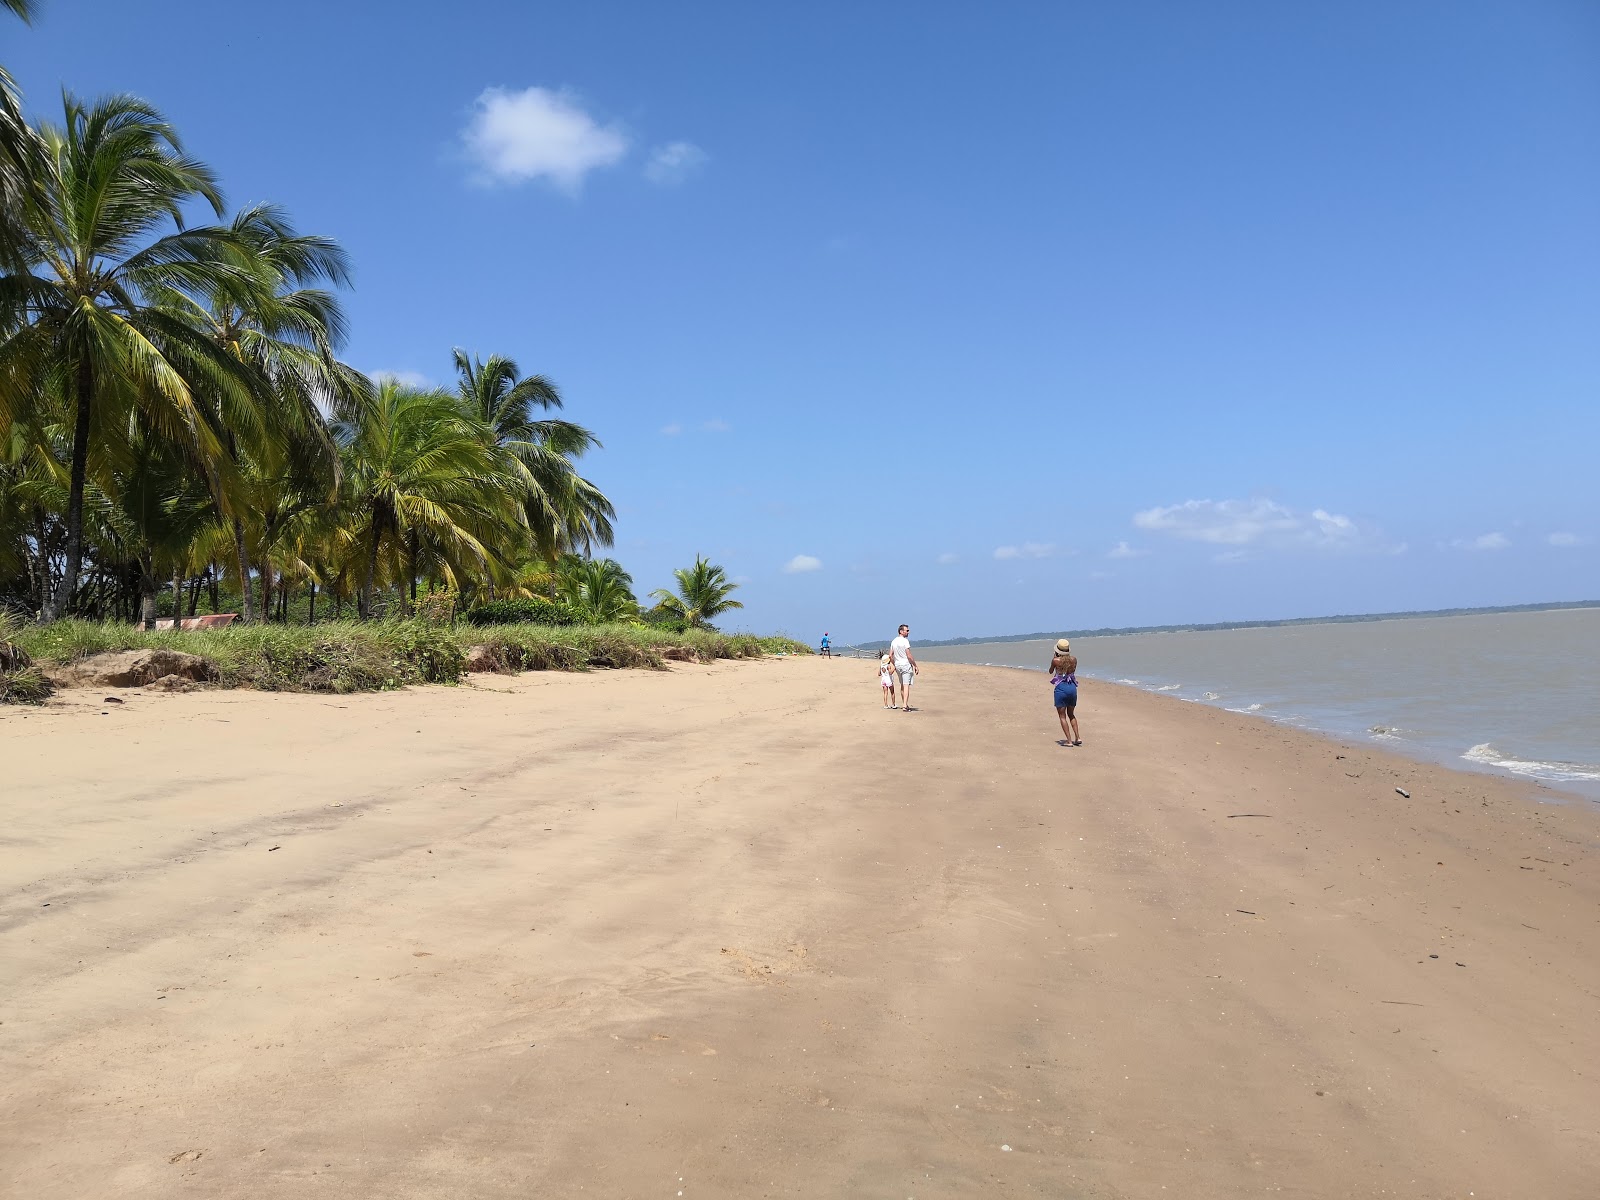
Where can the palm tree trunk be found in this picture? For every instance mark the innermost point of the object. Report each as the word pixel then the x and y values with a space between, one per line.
pixel 266 592
pixel 57 605
pixel 215 599
pixel 147 594
pixel 311 613
pixel 364 604
pixel 177 599
pixel 411 570
pixel 243 555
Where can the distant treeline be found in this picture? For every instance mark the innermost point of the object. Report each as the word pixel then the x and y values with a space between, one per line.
pixel 1343 618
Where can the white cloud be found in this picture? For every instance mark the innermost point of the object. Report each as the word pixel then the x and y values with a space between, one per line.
pixel 671 164
pixel 1259 522
pixel 1026 550
pixel 410 379
pixel 672 430
pixel 1123 550
pixel 539 134
pixel 945 559
pixel 1220 522
pixel 1485 541
pixel 1566 539
pixel 801 563
pixel 717 425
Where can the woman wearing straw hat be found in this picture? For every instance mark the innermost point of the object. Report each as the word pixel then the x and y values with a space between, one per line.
pixel 1064 675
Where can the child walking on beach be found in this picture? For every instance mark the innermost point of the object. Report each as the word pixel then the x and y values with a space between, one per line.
pixel 886 678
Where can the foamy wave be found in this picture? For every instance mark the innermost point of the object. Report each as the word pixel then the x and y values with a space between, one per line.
pixel 1211 696
pixel 1385 733
pixel 1129 682
pixel 1171 687
pixel 1249 708
pixel 1560 772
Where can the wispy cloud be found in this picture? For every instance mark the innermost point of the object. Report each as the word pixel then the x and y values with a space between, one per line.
pixel 1484 541
pixel 672 430
pixel 802 563
pixel 1026 550
pixel 1566 539
pixel 673 163
pixel 410 379
pixel 945 559
pixel 717 425
pixel 1123 550
pixel 537 133
pixel 1259 522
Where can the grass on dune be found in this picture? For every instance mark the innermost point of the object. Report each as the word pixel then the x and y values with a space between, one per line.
pixel 372 656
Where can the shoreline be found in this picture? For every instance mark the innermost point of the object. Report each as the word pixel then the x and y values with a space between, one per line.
pixel 1560 792
pixel 1418 692
pixel 621 931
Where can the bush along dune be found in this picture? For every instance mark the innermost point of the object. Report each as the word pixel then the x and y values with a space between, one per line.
pixel 344 656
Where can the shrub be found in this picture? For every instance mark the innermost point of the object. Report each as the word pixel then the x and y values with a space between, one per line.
pixel 532 610
pixel 438 608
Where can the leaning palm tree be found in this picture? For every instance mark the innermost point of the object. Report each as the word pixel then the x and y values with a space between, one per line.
pixel 419 476
pixel 564 511
pixel 703 592
pixel 273 317
pixel 107 235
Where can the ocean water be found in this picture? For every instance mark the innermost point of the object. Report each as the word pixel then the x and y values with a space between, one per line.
pixel 1508 693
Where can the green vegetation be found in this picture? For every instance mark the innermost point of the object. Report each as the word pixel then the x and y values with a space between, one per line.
pixel 175 420
pixel 528 610
pixel 356 656
pixel 176 426
pixel 703 592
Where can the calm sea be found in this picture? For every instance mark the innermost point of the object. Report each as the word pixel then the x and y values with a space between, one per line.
pixel 1512 693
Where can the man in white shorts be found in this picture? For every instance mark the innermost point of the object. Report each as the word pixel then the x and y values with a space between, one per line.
pixel 905 664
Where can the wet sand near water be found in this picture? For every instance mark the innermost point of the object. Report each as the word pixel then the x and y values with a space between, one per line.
pixel 735 931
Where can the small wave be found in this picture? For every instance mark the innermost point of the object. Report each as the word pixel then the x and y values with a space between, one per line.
pixel 1249 708
pixel 1560 772
pixel 1129 682
pixel 1211 696
pixel 1171 687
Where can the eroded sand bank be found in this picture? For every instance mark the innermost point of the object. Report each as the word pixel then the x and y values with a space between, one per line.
pixel 736 931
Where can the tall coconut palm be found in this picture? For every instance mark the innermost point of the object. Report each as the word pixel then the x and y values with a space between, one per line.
pixel 416 468
pixel 564 511
pixel 273 317
pixel 107 235
pixel 703 592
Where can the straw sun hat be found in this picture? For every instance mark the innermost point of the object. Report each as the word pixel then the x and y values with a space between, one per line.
pixel 1063 644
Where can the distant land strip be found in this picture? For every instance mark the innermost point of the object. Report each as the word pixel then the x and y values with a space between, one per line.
pixel 1344 618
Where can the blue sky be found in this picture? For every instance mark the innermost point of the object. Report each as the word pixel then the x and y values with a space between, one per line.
pixel 986 318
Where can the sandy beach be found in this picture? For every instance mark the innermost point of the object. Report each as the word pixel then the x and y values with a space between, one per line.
pixel 734 931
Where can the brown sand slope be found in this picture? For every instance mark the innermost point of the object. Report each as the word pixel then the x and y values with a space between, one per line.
pixel 734 931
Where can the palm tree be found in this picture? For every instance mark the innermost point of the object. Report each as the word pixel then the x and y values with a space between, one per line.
pixel 115 176
pixel 419 477
pixel 703 592
pixel 598 590
pixel 275 320
pixel 564 511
